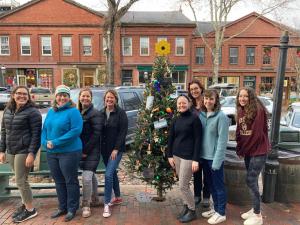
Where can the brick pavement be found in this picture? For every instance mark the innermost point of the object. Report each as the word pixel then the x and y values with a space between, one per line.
pixel 132 212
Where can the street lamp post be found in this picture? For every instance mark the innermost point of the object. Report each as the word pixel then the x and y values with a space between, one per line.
pixel 3 70
pixel 272 165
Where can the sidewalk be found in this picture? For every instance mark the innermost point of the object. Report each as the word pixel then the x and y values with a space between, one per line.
pixel 132 212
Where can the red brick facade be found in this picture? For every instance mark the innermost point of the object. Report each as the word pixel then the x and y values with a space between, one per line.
pixel 65 19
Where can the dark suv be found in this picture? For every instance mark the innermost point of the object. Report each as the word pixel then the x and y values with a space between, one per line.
pixel 130 99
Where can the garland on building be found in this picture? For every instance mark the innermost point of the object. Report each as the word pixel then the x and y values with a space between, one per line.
pixel 148 156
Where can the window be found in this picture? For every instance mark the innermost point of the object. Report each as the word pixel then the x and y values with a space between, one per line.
pixel 250 55
pixel 127 46
pixel 130 100
pixel 4 45
pixel 67 45
pixel 266 85
pixel 178 79
pixel 25 45
pixel 142 79
pixel 267 55
pixel 104 45
pixel 161 38
pixel 144 46
pixel 200 55
pixel 127 77
pixel 179 42
pixel 233 55
pixel 46 45
pixel 87 45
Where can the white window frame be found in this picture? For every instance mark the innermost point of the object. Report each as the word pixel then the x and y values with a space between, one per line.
pixel 179 45
pixel 129 47
pixel 24 37
pixel 87 46
pixel 3 45
pixel 66 42
pixel 46 45
pixel 144 40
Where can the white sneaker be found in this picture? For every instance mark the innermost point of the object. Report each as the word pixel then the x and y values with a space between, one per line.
pixel 216 218
pixel 106 211
pixel 255 219
pixel 208 214
pixel 248 214
pixel 86 212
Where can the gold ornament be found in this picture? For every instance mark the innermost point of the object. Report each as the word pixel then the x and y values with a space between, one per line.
pixel 162 48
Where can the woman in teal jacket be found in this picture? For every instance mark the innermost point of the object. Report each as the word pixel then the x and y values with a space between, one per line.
pixel 61 137
pixel 215 135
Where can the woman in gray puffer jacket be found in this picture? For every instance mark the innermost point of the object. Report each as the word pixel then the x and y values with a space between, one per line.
pixel 20 139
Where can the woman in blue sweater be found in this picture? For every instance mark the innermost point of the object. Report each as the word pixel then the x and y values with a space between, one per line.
pixel 61 137
pixel 215 134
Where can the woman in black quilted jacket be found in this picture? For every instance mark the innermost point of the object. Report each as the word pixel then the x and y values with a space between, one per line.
pixel 20 140
pixel 90 137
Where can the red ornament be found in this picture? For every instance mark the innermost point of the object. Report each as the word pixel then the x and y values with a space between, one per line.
pixel 168 110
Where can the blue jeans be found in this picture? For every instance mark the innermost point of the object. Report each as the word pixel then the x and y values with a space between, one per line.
pixel 216 185
pixel 64 170
pixel 111 177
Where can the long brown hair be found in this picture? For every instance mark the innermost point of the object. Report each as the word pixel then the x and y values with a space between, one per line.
pixel 12 105
pixel 209 93
pixel 195 81
pixel 252 107
pixel 82 90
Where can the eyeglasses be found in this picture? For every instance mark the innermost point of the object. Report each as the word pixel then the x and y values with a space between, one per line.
pixel 21 94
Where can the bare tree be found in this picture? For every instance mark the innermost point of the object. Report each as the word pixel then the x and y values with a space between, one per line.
pixel 219 11
pixel 112 19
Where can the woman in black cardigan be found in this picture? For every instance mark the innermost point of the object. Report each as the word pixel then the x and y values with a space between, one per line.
pixel 112 147
pixel 90 137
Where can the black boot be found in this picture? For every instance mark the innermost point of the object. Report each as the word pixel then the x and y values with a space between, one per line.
pixel 189 216
pixel 183 212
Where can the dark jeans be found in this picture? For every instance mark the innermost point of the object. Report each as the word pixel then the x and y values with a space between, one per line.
pixel 254 165
pixel 201 185
pixel 216 185
pixel 64 170
pixel 111 177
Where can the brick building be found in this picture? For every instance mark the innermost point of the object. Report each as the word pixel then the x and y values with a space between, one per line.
pixel 48 42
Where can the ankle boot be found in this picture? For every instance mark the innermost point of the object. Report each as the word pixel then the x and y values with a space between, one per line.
pixel 183 212
pixel 189 216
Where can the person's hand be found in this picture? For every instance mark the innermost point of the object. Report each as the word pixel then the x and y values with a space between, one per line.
pixel 84 155
pixel 2 158
pixel 114 154
pixel 49 144
pixel 195 166
pixel 172 162
pixel 29 160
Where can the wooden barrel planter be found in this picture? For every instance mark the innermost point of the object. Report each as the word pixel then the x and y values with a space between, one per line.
pixel 288 180
pixel 235 180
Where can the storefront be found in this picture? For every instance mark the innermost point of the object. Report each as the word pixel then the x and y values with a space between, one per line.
pixel 178 75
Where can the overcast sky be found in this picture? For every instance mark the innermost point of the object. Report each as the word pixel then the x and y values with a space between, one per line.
pixel 290 15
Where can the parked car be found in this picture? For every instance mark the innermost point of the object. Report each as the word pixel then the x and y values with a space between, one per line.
pixel 130 99
pixel 41 96
pixel 178 93
pixel 4 96
pixel 224 89
pixel 228 106
pixel 289 130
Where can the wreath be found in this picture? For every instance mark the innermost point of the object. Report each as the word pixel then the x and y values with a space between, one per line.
pixel 70 79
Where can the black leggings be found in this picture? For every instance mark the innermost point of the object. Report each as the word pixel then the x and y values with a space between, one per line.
pixel 254 165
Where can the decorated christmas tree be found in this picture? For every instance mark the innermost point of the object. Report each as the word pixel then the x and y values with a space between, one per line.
pixel 148 156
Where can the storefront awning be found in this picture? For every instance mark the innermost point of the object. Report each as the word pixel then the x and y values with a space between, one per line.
pixel 174 67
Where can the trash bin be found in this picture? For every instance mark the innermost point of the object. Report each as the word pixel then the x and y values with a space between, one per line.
pixel 235 180
pixel 288 179
pixel 269 180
